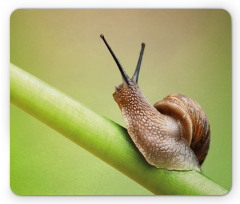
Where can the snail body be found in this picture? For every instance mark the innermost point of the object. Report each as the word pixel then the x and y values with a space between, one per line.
pixel 173 134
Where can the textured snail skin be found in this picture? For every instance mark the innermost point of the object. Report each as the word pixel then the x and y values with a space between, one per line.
pixel 157 136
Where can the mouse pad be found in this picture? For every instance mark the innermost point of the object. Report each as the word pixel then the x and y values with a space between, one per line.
pixel 80 124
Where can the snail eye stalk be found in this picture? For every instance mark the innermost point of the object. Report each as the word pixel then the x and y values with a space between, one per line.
pixel 136 73
pixel 123 73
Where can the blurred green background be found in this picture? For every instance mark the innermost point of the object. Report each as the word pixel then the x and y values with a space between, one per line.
pixel 187 52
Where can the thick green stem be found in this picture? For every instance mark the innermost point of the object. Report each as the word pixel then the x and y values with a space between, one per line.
pixel 102 137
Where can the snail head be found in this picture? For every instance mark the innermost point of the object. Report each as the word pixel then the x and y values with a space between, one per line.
pixel 129 87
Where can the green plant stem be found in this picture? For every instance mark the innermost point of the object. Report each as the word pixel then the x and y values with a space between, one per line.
pixel 102 137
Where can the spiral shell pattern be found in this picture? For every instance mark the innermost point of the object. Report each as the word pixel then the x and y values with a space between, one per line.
pixel 193 122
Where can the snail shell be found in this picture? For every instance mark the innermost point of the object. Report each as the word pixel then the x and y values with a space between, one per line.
pixel 195 129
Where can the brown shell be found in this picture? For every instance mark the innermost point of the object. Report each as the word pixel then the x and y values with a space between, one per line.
pixel 194 124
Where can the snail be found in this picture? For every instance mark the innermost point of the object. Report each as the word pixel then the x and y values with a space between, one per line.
pixel 172 134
